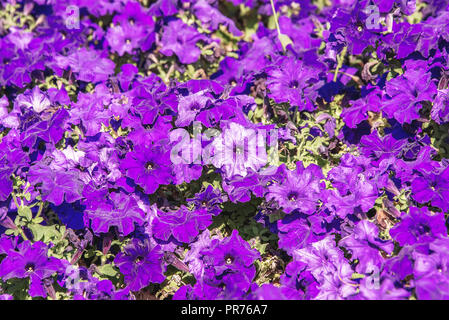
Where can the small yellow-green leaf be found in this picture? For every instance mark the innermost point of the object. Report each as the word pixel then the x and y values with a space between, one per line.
pixel 285 40
pixel 208 52
pixel 25 212
pixel 108 270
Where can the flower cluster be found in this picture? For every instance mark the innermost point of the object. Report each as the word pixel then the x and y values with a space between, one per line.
pixel 345 196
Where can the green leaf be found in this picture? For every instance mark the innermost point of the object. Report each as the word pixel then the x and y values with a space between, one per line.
pixel 37 231
pixel 255 230
pixel 271 22
pixel 38 220
pixel 25 212
pixel 275 217
pixel 208 52
pixel 89 253
pixel 259 112
pixel 262 247
pixel 108 270
pixel 285 40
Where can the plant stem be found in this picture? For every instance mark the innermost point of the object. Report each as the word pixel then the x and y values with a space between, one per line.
pixel 22 233
pixel 39 212
pixel 340 59
pixel 275 17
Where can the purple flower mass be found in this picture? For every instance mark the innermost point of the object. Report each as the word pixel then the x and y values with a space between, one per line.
pixel 299 190
pixel 141 262
pixel 30 261
pixel 184 225
pixel 232 149
pixel 181 39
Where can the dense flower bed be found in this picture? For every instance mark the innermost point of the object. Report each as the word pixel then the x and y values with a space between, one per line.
pixel 239 149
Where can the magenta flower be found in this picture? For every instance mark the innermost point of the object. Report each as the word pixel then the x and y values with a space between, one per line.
pixel 141 263
pixel 33 99
pixel 149 167
pixel 407 92
pixel 432 187
pixel 419 226
pixel 238 150
pixel 293 81
pixel 121 211
pixel 180 39
pixel 299 190
pixel 184 225
pixel 30 261
pixel 125 38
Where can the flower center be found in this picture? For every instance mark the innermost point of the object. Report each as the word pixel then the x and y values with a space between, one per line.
pixel 229 259
pixel 238 149
pixel 292 196
pixel 29 267
pixel 293 84
pixel 138 259
pixel 149 165
pixel 423 229
pixel 195 106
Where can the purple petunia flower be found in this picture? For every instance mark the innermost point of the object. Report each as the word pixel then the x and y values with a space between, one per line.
pixel 431 271
pixel 228 263
pixel 184 225
pixel 56 186
pixel 268 291
pixel 8 119
pixel 440 110
pixel 365 244
pixel 380 148
pixel 89 64
pixel 193 258
pixel 125 38
pixel 360 107
pixel 432 187
pixel 33 99
pixel 350 24
pixel 141 263
pixel 11 159
pixel 321 257
pixel 209 199
pixel 121 211
pixel 296 232
pixel 357 185
pixel 407 92
pixel 419 226
pixel 148 166
pixel 387 290
pixel 189 106
pixel 134 13
pixel 300 189
pixel 211 17
pixel 293 81
pixel 30 261
pixel 238 150
pixel 297 278
pixel 89 112
pixel 180 39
